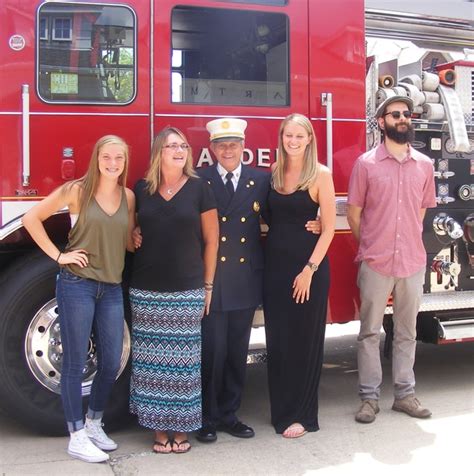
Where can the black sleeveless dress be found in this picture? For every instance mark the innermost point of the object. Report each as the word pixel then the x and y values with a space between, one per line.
pixel 294 332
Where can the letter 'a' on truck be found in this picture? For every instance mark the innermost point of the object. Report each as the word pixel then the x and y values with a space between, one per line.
pixel 73 71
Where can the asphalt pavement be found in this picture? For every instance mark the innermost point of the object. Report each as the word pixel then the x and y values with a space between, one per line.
pixel 393 444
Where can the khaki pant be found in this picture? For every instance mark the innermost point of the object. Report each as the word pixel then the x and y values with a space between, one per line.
pixel 375 289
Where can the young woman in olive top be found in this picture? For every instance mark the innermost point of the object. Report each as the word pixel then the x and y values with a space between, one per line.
pixel 88 291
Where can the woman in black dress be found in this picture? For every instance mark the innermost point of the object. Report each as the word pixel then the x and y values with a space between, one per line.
pixel 296 281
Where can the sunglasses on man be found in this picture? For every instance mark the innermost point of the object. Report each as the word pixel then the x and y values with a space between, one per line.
pixel 398 114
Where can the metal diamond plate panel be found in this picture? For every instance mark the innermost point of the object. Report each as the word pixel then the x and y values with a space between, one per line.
pixel 444 301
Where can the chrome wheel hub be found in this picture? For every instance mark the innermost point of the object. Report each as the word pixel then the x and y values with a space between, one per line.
pixel 44 352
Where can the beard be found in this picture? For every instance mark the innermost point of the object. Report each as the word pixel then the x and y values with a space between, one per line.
pixel 400 137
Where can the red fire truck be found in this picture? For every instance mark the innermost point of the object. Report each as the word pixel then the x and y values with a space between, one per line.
pixel 72 71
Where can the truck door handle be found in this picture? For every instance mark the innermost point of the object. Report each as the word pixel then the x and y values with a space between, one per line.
pixel 326 100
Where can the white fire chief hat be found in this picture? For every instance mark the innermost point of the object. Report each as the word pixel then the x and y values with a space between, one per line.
pixel 226 128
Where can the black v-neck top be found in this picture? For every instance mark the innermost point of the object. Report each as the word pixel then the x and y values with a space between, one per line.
pixel 170 257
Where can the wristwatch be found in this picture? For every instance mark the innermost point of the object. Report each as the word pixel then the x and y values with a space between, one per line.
pixel 312 266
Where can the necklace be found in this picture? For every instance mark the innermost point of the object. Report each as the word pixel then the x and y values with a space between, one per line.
pixel 171 189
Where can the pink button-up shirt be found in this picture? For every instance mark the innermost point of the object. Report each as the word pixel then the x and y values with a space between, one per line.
pixel 392 194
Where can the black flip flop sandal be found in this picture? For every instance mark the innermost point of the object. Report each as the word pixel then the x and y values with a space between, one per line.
pixel 163 445
pixel 179 443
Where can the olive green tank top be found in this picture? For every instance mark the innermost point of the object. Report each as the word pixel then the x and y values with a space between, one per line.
pixel 104 237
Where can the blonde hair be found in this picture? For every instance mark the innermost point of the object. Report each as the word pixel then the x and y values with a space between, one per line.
pixel 310 165
pixel 89 182
pixel 153 174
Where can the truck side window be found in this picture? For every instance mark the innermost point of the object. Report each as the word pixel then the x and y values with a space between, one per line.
pixel 222 56
pixel 86 53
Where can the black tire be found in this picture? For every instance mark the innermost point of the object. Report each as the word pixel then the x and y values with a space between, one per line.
pixel 25 288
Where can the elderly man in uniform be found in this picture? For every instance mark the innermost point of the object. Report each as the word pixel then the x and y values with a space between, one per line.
pixel 390 188
pixel 241 192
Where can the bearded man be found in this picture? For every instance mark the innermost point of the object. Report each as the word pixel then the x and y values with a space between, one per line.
pixel 390 188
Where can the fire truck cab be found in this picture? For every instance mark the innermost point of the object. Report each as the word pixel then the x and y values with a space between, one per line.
pixel 72 71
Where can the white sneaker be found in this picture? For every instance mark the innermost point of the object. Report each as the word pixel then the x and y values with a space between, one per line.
pixel 97 435
pixel 81 447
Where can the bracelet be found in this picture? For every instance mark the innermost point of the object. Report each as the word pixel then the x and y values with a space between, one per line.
pixel 208 290
pixel 59 255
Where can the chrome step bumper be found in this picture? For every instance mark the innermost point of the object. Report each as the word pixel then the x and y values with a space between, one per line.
pixel 444 301
pixel 456 330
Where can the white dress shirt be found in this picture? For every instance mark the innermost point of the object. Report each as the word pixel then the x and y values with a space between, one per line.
pixel 223 172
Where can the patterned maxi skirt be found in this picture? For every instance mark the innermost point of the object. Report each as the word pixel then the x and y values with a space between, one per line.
pixel 165 387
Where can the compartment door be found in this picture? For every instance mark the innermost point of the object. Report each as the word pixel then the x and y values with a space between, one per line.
pixel 244 59
pixel 337 66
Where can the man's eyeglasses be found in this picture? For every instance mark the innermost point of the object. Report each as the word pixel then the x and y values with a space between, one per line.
pixel 175 147
pixel 398 114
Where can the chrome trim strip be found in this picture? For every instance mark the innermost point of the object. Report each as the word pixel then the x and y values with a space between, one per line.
pixel 425 31
pixel 327 101
pixel 152 75
pixel 459 322
pixel 338 119
pixel 456 330
pixel 10 228
pixel 16 224
pixel 89 114
pixel 206 116
pixel 25 134
pixel 418 19
pixel 139 114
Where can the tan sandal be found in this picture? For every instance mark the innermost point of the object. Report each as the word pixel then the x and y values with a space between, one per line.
pixel 296 430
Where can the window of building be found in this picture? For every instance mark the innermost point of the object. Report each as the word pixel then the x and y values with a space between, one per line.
pixel 90 55
pixel 235 57
pixel 43 29
pixel 62 29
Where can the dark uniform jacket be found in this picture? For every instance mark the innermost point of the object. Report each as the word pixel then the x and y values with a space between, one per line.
pixel 239 273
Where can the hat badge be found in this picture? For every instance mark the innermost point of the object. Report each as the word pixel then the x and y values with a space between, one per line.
pixel 225 124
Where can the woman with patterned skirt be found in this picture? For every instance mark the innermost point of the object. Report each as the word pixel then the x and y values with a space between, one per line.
pixel 171 289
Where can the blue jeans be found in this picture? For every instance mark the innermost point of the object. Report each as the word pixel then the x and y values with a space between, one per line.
pixel 87 305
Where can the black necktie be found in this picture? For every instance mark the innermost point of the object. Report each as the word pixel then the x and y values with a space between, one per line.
pixel 229 185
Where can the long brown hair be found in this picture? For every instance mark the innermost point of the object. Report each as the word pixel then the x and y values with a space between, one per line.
pixel 89 182
pixel 310 165
pixel 153 174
